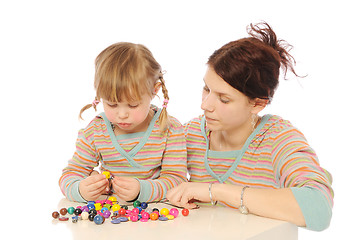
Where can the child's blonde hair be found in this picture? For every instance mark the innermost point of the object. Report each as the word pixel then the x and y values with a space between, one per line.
pixel 127 71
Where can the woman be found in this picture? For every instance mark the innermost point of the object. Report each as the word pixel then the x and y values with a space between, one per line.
pixel 260 164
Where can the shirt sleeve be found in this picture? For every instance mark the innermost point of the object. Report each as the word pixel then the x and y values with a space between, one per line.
pixel 297 167
pixel 173 169
pixel 79 167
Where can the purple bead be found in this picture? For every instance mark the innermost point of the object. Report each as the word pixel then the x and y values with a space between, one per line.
pixel 106 214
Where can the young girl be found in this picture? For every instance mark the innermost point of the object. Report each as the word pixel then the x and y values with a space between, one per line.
pixel 138 143
pixel 259 164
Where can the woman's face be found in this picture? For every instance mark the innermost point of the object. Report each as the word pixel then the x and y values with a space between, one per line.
pixel 225 108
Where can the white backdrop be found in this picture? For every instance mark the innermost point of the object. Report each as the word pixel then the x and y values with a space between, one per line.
pixel 47 53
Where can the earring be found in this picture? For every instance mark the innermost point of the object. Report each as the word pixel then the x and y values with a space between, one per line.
pixel 253 122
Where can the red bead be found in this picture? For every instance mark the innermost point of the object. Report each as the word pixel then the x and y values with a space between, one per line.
pixel 55 215
pixel 63 211
pixel 185 212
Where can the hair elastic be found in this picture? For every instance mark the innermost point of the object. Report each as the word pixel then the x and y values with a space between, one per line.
pixel 95 103
pixel 165 103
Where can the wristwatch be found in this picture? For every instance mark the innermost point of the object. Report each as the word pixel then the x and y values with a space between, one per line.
pixel 243 209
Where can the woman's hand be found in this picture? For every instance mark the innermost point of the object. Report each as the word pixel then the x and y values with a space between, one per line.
pixel 185 194
pixel 126 188
pixel 92 187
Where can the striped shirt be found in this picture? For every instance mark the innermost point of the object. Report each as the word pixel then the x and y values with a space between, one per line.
pixel 275 155
pixel 156 160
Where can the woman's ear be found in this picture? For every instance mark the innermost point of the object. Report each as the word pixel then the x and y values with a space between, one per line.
pixel 258 104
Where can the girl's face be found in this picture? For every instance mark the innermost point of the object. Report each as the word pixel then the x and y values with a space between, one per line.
pixel 225 108
pixel 129 117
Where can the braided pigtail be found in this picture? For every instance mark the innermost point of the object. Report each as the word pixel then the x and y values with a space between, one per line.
pixel 94 105
pixel 163 117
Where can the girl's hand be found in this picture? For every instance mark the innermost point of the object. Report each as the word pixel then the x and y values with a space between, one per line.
pixel 92 187
pixel 126 188
pixel 185 194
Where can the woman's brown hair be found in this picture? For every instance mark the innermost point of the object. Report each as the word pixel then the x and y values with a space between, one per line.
pixel 251 65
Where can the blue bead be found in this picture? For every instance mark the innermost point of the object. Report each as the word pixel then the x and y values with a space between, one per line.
pixel 123 219
pixel 116 221
pixel 163 219
pixel 144 205
pixel 91 206
pixel 98 219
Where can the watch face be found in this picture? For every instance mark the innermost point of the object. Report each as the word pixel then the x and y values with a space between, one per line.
pixel 243 210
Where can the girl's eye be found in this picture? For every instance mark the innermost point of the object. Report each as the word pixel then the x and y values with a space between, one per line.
pixel 133 105
pixel 112 105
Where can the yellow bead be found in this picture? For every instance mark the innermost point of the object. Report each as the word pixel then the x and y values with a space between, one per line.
pixel 107 174
pixel 98 206
pixel 170 217
pixel 115 207
pixel 113 199
pixel 164 211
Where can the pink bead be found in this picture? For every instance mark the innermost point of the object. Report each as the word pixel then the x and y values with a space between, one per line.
pixel 108 202
pixel 174 212
pixel 144 219
pixel 145 215
pixel 134 218
pixel 135 211
pixel 128 211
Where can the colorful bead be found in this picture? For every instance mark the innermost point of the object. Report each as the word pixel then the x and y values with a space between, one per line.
pixel 116 221
pixel 170 217
pixel 112 199
pixel 135 211
pixel 74 219
pixel 144 219
pixel 91 206
pixel 63 211
pixel 106 214
pixel 93 211
pixel 98 219
pixel 144 205
pixel 91 217
pixel 55 215
pixel 77 212
pixel 122 211
pixel 153 216
pixel 63 219
pixel 125 207
pixel 185 212
pixel 136 203
pixel 104 209
pixel 107 174
pixel 174 212
pixel 115 207
pixel 123 219
pixel 164 211
pixel 84 208
pixel 163 219
pixel 155 210
pixel 134 218
pixel 84 216
pixel 145 215
pixel 98 206
pixel 71 210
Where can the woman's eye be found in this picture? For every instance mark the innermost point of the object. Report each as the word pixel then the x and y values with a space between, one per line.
pixel 206 89
pixel 224 101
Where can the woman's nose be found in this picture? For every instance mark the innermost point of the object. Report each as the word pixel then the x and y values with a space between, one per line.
pixel 207 103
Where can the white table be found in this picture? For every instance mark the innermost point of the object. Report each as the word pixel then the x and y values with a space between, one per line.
pixel 207 222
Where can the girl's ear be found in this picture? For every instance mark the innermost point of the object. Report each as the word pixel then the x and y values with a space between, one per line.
pixel 157 86
pixel 258 104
